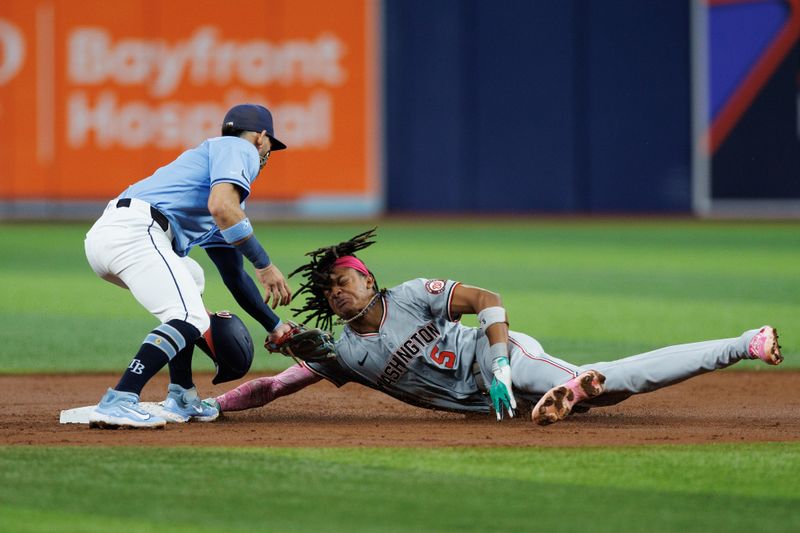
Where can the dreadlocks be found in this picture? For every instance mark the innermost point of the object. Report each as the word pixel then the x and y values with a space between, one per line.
pixel 316 274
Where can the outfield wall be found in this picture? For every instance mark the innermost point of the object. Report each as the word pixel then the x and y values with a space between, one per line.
pixel 421 106
pixel 538 106
pixel 97 95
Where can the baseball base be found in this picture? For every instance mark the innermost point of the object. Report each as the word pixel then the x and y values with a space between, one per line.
pixel 80 415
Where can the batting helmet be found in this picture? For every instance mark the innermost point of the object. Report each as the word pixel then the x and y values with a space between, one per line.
pixel 228 343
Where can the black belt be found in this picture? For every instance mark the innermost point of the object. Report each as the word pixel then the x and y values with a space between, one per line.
pixel 476 373
pixel 157 215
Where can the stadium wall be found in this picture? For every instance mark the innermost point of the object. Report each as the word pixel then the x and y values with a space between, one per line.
pixel 522 106
pixel 412 106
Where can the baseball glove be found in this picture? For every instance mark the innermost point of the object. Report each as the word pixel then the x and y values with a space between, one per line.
pixel 307 344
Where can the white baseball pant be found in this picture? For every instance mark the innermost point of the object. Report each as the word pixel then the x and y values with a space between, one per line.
pixel 128 248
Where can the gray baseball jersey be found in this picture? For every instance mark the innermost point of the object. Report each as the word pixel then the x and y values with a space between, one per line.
pixel 424 356
pixel 421 354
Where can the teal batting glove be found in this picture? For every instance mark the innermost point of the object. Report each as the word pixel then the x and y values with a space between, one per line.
pixel 500 391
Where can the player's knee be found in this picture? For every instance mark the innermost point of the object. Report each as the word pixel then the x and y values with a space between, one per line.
pixel 200 320
pixel 197 319
pixel 188 331
pixel 172 337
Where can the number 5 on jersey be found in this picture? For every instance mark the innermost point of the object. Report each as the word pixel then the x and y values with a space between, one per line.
pixel 444 358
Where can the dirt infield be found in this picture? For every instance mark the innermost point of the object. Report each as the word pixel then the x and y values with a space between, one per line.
pixel 720 407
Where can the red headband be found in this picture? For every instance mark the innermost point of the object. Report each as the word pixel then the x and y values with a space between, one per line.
pixel 351 261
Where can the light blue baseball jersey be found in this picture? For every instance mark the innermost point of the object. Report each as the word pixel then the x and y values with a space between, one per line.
pixel 180 189
pixel 421 354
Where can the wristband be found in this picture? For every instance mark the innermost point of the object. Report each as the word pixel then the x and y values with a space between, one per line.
pixel 498 350
pixel 239 231
pixel 491 315
pixel 253 251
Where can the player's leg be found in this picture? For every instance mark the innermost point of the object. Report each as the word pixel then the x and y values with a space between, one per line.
pixel 108 238
pixel 182 401
pixel 533 371
pixel 666 366
pixel 174 296
pixel 555 385
pixel 107 244
pixel 620 379
pixel 180 366
pixel 140 257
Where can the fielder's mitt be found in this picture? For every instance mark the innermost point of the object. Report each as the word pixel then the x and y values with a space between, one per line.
pixel 311 345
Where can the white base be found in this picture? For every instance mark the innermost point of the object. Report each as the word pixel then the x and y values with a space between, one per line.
pixel 80 415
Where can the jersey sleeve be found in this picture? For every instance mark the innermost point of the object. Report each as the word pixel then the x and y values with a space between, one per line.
pixel 233 160
pixel 431 295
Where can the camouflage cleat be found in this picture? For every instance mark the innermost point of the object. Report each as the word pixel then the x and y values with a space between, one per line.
pixel 764 345
pixel 558 402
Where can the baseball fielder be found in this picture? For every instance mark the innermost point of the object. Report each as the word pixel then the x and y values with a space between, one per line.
pixel 141 243
pixel 408 343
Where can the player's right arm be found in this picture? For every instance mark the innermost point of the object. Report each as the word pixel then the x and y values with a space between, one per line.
pixel 261 391
pixel 473 300
pixel 493 321
pixel 224 204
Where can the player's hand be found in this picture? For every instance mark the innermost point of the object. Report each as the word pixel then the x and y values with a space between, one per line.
pixel 500 391
pixel 283 329
pixel 275 286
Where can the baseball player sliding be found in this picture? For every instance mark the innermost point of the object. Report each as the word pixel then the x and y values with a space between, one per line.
pixel 141 243
pixel 408 343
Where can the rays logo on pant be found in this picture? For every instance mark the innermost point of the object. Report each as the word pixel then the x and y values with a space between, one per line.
pixel 136 366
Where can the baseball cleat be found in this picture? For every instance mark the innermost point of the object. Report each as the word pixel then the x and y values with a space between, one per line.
pixel 213 402
pixel 764 345
pixel 558 402
pixel 183 405
pixel 121 409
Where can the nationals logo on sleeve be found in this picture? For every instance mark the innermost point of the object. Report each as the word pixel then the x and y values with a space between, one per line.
pixel 434 286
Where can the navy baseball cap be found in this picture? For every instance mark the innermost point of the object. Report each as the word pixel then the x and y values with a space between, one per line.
pixel 252 117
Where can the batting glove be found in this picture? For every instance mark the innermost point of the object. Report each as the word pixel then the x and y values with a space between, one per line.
pixel 500 390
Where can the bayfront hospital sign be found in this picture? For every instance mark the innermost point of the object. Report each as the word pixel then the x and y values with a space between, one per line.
pixel 159 118
pixel 97 95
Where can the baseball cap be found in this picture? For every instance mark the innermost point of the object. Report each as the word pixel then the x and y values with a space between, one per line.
pixel 252 117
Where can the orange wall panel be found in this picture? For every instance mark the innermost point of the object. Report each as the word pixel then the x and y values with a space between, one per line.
pixel 95 95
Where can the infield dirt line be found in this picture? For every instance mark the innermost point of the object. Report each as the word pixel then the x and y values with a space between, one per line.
pixel 728 406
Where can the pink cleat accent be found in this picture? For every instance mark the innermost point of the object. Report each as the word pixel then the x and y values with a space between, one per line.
pixel 558 402
pixel 765 346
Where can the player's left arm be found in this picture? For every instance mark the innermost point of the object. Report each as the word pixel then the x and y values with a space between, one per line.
pixel 224 204
pixel 229 263
pixel 493 320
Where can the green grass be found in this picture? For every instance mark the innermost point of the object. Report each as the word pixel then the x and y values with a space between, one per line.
pixel 588 289
pixel 683 488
